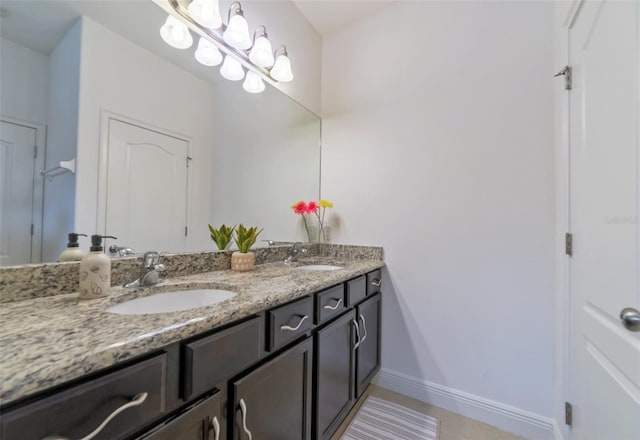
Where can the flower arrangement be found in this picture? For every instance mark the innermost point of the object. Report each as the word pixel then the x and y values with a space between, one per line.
pixel 222 236
pixel 301 208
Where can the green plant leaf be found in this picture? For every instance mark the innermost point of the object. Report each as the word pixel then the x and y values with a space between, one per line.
pixel 246 237
pixel 221 236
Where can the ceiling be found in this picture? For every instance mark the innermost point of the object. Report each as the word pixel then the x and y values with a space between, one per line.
pixel 328 16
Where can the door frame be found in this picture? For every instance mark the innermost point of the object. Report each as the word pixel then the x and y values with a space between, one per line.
pixel 37 205
pixel 106 117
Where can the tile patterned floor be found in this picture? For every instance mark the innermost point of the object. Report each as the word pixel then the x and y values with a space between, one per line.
pixel 452 426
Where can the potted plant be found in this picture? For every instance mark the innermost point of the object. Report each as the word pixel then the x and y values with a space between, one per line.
pixel 222 236
pixel 242 260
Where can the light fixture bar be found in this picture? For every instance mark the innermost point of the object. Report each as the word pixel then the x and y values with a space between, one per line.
pixel 216 38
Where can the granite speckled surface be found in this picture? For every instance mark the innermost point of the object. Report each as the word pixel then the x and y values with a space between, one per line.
pixel 50 340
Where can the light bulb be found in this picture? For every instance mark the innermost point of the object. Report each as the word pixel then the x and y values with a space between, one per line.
pixel 253 83
pixel 206 12
pixel 232 69
pixel 237 32
pixel 175 33
pixel 281 70
pixel 207 53
pixel 261 53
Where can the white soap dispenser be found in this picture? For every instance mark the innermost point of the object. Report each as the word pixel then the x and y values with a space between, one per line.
pixel 73 251
pixel 95 271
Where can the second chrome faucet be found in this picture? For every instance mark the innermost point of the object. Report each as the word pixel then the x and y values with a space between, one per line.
pixel 294 252
pixel 150 272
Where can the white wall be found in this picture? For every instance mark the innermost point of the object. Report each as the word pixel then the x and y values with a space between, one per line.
pixel 62 138
pixel 24 83
pixel 120 77
pixel 438 144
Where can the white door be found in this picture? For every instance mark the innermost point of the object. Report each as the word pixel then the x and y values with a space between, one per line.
pixel 604 371
pixel 147 183
pixel 17 183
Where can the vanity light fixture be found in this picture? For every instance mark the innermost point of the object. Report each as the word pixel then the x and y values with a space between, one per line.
pixel 208 53
pixel 206 12
pixel 175 33
pixel 253 83
pixel 237 32
pixel 232 40
pixel 261 53
pixel 281 70
pixel 232 69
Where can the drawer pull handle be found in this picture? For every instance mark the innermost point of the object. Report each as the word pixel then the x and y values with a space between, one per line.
pixel 376 283
pixel 137 400
pixel 293 329
pixel 357 344
pixel 364 328
pixel 243 410
pixel 328 307
pixel 216 428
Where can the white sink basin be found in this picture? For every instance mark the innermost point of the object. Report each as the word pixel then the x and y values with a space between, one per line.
pixel 319 267
pixel 171 302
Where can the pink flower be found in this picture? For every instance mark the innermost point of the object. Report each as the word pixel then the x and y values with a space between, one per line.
pixel 312 207
pixel 300 207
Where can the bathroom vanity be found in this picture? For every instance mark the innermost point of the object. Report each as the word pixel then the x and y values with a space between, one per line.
pixel 285 359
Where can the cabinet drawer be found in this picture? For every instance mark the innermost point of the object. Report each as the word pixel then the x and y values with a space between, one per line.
pixel 212 359
pixel 356 290
pixel 288 322
pixel 77 411
pixel 374 282
pixel 329 303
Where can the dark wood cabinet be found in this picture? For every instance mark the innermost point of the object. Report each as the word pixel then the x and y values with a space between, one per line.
pixel 200 421
pixel 334 375
pixel 368 352
pixel 274 400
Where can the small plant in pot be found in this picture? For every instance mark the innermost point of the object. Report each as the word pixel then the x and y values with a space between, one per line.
pixel 242 260
pixel 222 237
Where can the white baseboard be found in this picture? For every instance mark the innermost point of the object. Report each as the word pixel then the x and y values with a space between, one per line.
pixel 505 417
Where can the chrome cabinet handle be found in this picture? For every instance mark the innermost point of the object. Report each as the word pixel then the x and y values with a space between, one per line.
pixel 630 318
pixel 357 344
pixel 216 428
pixel 293 329
pixel 328 307
pixel 137 400
pixel 364 328
pixel 243 410
pixel 376 283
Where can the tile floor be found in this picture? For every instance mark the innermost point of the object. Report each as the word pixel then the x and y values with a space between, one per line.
pixel 452 426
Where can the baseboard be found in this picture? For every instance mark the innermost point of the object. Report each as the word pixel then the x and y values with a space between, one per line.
pixel 557 432
pixel 505 417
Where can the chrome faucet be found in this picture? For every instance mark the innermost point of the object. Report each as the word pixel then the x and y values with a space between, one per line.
pixel 120 251
pixel 151 270
pixel 294 252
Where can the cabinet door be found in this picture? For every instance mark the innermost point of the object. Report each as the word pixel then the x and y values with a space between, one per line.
pixel 368 352
pixel 334 375
pixel 201 421
pixel 274 400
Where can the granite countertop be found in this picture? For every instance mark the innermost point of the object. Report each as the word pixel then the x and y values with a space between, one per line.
pixel 48 341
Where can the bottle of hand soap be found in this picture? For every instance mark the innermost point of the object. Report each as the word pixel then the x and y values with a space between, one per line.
pixel 73 251
pixel 95 271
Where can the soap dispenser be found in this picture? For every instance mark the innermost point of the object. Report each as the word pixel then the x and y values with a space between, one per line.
pixel 73 251
pixel 95 271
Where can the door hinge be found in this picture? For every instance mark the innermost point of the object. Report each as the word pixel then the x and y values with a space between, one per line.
pixel 189 159
pixel 186 231
pixel 32 228
pixel 566 72
pixel 568 413
pixel 35 151
pixel 568 244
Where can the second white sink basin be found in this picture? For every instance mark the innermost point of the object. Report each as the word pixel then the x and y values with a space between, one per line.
pixel 171 302
pixel 319 267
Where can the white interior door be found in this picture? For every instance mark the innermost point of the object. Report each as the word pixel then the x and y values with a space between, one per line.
pixel 605 356
pixel 147 183
pixel 18 166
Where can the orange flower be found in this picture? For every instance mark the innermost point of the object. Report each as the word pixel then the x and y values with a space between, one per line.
pixel 299 207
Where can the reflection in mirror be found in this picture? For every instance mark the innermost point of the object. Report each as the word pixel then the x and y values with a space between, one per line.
pixel 163 146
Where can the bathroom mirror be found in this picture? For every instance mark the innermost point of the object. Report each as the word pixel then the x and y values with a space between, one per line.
pixel 154 146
